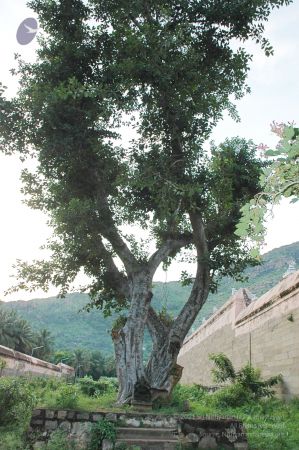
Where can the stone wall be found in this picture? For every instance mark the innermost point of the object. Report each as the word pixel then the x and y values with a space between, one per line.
pixel 264 332
pixel 198 432
pixel 19 364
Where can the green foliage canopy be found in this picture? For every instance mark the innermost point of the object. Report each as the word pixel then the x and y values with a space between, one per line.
pixel 170 70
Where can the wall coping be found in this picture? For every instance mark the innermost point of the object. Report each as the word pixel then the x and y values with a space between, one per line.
pixel 38 412
pixel 10 353
pixel 215 316
pixel 279 293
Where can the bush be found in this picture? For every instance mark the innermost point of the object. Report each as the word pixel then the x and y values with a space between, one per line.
pixel 250 378
pixel 90 387
pixel 230 396
pixel 59 441
pixel 67 396
pixel 100 431
pixel 247 381
pixel 180 397
pixel 16 401
pixel 182 394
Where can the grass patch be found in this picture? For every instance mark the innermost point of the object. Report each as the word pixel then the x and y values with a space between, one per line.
pixel 270 423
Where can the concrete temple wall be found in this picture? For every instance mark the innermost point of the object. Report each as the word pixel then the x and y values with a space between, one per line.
pixel 264 332
pixel 19 364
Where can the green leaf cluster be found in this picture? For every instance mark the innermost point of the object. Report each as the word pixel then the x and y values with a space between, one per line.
pixel 279 179
pixel 170 71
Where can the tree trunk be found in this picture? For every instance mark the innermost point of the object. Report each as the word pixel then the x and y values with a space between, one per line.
pixel 162 372
pixel 128 344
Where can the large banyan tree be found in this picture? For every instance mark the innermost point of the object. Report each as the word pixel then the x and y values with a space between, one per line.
pixel 168 70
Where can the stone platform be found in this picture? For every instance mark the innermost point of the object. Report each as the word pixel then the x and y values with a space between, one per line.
pixel 143 430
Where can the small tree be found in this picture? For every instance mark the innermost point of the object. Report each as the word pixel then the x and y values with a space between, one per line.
pixel 168 68
pixel 248 378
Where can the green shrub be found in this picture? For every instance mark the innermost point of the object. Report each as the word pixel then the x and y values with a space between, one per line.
pixel 12 440
pixel 247 381
pixel 112 381
pixel 100 431
pixel 180 397
pixel 182 394
pixel 230 396
pixel 16 401
pixel 59 441
pixel 67 396
pixel 90 387
pixel 250 378
pixel 224 370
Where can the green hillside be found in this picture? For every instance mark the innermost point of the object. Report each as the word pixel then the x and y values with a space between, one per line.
pixel 73 329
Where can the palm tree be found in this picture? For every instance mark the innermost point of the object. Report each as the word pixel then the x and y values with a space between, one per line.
pixel 8 320
pixel 15 332
pixel 81 361
pixel 24 336
pixel 45 341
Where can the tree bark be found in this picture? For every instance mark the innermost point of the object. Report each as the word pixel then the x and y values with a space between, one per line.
pixel 162 371
pixel 128 341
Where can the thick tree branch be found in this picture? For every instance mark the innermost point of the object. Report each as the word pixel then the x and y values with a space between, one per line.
pixel 169 247
pixel 117 279
pixel 110 232
pixel 157 329
pixel 200 287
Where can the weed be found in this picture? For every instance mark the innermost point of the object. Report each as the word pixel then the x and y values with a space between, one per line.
pixel 100 431
pixel 67 396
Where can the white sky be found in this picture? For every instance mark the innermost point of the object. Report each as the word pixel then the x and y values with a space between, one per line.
pixel 275 95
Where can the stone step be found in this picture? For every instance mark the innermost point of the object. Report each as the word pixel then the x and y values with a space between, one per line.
pixel 147 433
pixel 149 444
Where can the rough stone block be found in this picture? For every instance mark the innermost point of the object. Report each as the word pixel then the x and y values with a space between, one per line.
pixel 97 417
pixel 192 437
pixel 61 414
pixel 51 424
pixel 111 417
pixel 80 428
pixel 231 434
pixel 37 413
pixel 128 421
pixel 35 422
pixel 82 416
pixel 50 414
pixel 208 442
pixel 65 426
pixel 107 445
pixel 200 431
pixel 71 415
pixel 241 445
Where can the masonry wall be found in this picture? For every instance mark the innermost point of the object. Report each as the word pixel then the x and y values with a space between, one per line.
pixel 264 332
pixel 18 364
pixel 150 431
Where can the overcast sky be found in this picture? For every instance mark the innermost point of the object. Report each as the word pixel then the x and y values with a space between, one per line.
pixel 274 96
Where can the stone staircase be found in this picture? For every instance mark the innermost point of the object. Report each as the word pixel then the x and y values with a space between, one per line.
pixel 148 438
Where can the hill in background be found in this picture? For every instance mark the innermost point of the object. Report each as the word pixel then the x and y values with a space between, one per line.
pixel 72 329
